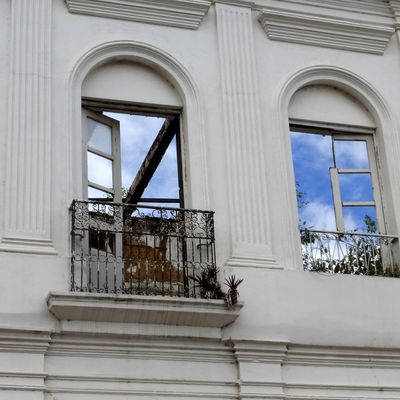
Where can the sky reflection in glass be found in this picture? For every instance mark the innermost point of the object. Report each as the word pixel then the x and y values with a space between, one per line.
pixel 312 158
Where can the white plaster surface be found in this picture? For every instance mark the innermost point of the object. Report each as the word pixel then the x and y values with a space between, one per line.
pixel 299 334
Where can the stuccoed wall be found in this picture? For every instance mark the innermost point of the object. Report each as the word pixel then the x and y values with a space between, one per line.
pixel 235 70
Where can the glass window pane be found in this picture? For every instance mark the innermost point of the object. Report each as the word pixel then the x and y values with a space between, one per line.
pixel 312 158
pixel 351 154
pixel 97 194
pixel 361 219
pixel 100 170
pixel 356 187
pixel 99 136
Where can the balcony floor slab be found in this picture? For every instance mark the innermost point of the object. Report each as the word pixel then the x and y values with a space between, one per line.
pixel 163 310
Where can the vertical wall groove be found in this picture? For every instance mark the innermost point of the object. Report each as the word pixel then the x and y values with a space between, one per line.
pixel 243 135
pixel 27 210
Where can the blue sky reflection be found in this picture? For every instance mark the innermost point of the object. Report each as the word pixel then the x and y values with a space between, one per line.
pixel 312 158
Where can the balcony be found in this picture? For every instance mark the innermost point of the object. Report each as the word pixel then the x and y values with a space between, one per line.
pixel 141 250
pixel 141 264
pixel 349 253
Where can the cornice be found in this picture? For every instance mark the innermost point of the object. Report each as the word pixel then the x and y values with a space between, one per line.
pixel 343 356
pixel 134 347
pixel 287 353
pixel 370 7
pixel 177 13
pixel 262 351
pixel 24 341
pixel 326 30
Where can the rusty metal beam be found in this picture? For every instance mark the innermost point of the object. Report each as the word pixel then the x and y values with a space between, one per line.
pixel 152 160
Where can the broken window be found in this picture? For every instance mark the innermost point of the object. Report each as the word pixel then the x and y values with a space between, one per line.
pixel 336 180
pixel 133 158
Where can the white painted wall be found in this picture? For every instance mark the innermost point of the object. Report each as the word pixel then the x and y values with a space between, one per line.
pixel 299 334
pixel 127 81
pixel 327 104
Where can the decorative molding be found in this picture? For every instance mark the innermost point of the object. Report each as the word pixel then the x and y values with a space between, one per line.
pixel 141 309
pixel 252 262
pixel 260 368
pixel 139 346
pixel 27 189
pixel 259 351
pixel 177 13
pixel 246 166
pixel 21 341
pixel 395 7
pixel 370 7
pixel 326 30
pixel 262 364
pixel 307 355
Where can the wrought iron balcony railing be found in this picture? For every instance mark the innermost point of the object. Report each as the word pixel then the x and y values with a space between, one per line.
pixel 135 249
pixel 349 253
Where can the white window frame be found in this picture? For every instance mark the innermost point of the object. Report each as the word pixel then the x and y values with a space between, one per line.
pixel 350 133
pixel 115 157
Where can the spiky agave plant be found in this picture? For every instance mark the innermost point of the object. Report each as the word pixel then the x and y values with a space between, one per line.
pixel 208 283
pixel 233 294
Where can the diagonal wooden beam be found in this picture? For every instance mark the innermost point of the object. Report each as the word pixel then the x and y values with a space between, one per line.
pixel 152 160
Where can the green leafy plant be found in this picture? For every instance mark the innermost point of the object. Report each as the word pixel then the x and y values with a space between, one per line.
pixel 210 288
pixel 207 282
pixel 232 295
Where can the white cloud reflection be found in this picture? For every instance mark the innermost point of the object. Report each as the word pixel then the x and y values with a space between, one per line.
pixel 351 154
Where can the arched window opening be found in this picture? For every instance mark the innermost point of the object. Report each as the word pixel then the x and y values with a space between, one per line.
pixel 132 157
pixel 338 188
pixel 132 233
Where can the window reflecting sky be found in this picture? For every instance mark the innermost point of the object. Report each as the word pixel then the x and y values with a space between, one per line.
pixel 312 157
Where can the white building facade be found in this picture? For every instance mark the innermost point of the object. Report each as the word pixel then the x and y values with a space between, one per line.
pixel 237 74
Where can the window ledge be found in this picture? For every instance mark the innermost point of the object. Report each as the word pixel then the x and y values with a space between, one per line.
pixel 141 309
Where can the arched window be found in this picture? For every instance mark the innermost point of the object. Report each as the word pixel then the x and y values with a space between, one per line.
pixel 335 163
pixel 131 122
pixel 339 197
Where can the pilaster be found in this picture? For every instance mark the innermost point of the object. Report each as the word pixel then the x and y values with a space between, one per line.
pixel 260 368
pixel 27 196
pixel 248 200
